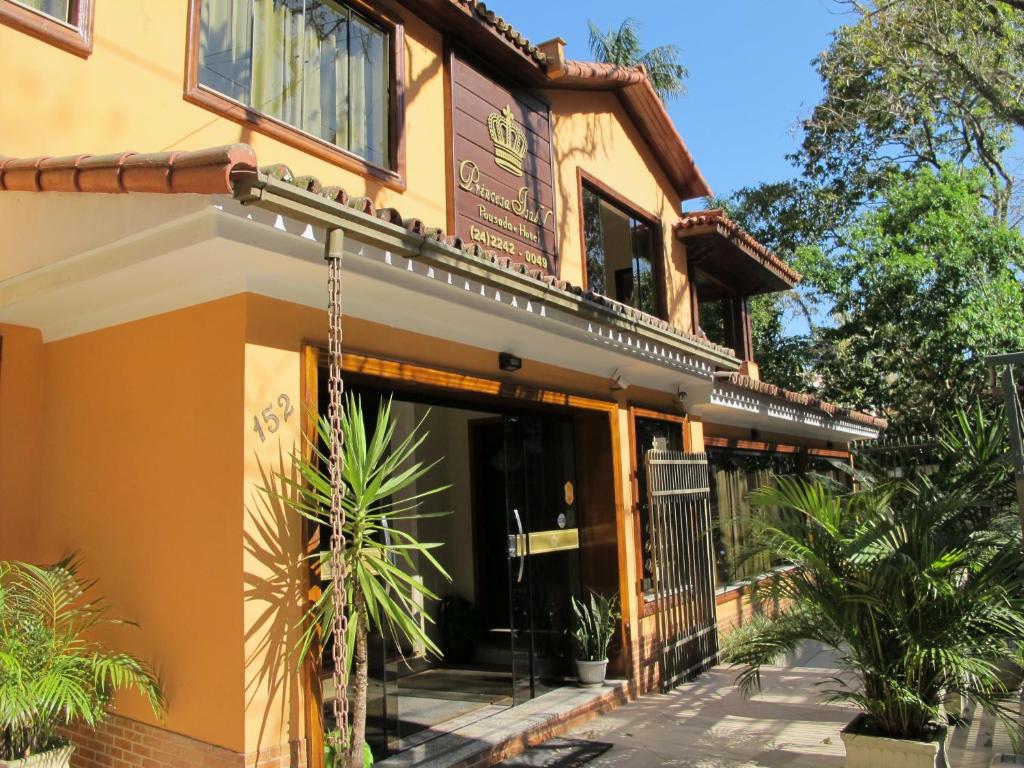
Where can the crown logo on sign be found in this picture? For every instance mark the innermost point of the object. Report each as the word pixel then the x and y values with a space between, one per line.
pixel 509 140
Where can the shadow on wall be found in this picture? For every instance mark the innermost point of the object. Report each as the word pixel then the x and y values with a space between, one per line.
pixel 275 595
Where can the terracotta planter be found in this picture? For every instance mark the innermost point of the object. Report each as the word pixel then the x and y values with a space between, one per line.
pixel 55 758
pixel 591 672
pixel 865 751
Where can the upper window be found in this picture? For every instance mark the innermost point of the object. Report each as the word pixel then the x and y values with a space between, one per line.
pixel 315 65
pixel 620 250
pixel 64 23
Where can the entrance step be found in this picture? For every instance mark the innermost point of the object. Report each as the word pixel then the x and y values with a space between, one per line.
pixel 510 731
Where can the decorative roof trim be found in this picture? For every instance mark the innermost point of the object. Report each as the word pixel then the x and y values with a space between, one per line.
pixel 807 401
pixel 502 29
pixel 247 191
pixel 234 170
pixel 202 172
pixel 727 228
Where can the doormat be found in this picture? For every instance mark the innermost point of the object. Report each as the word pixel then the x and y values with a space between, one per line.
pixel 559 753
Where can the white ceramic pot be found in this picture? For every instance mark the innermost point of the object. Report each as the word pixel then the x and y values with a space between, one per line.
pixel 591 672
pixel 54 758
pixel 864 751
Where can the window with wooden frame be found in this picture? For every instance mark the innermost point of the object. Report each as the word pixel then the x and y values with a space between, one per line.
pixel 66 24
pixel 322 75
pixel 622 249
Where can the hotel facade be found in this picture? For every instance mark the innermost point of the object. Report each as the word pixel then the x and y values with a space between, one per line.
pixel 516 270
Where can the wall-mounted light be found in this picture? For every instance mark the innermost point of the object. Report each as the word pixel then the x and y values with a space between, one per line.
pixel 681 395
pixel 509 362
pixel 619 381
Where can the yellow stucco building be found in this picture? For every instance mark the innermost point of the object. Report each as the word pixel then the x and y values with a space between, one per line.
pixel 515 262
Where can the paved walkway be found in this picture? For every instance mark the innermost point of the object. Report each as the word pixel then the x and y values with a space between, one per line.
pixel 708 724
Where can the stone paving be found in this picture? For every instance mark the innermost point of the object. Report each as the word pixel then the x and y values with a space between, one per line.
pixel 708 724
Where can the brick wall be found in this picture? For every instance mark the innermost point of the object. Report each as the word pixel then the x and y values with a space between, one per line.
pixel 123 743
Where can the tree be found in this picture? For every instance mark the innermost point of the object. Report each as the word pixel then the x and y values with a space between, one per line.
pixel 928 285
pixel 917 83
pixel 380 558
pixel 622 47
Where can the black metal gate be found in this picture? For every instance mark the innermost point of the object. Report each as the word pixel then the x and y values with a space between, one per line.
pixel 678 497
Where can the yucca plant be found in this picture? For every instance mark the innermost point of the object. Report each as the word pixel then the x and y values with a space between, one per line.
pixel 380 559
pixel 595 626
pixel 917 596
pixel 53 673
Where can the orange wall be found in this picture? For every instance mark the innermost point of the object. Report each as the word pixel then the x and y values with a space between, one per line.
pixel 21 402
pixel 142 479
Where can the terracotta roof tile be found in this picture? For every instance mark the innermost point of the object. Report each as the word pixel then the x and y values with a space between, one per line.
pixel 600 71
pixel 805 400
pixel 718 218
pixel 203 172
pixel 502 29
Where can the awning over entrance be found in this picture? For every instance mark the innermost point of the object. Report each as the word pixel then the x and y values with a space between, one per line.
pixel 229 229
pixel 119 257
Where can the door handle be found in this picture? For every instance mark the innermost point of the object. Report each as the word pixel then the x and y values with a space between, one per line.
pixel 522 557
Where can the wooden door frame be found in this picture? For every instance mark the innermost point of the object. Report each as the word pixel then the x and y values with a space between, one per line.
pixel 413 376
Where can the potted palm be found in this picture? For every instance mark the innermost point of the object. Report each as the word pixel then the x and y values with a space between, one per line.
pixel 914 584
pixel 595 625
pixel 380 561
pixel 52 675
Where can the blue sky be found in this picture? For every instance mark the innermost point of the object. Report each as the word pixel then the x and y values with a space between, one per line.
pixel 751 78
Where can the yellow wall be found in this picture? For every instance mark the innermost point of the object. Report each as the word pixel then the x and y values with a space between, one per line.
pixel 592 132
pixel 141 477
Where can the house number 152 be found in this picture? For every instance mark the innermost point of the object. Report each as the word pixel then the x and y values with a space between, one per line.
pixel 271 419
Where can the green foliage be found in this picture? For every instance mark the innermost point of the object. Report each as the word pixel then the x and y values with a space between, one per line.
pixel 333 757
pixel 379 556
pixel 52 672
pixel 928 286
pixel 622 47
pixel 917 83
pixel 595 626
pixel 915 593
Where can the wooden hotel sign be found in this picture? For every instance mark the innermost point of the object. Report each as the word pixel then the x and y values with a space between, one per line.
pixel 502 176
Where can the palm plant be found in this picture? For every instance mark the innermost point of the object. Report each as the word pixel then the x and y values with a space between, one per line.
pixel 622 47
pixel 52 674
pixel 916 595
pixel 595 626
pixel 380 559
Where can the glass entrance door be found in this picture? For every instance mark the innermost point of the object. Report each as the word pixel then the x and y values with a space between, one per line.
pixel 542 522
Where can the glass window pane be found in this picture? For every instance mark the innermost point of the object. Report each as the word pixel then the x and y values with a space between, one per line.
pixel 327 63
pixel 313 64
pixel 368 92
pixel 645 290
pixel 277 55
pixel 225 61
pixel 58 9
pixel 620 253
pixel 594 240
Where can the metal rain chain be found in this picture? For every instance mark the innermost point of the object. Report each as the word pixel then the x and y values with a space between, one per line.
pixel 335 386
